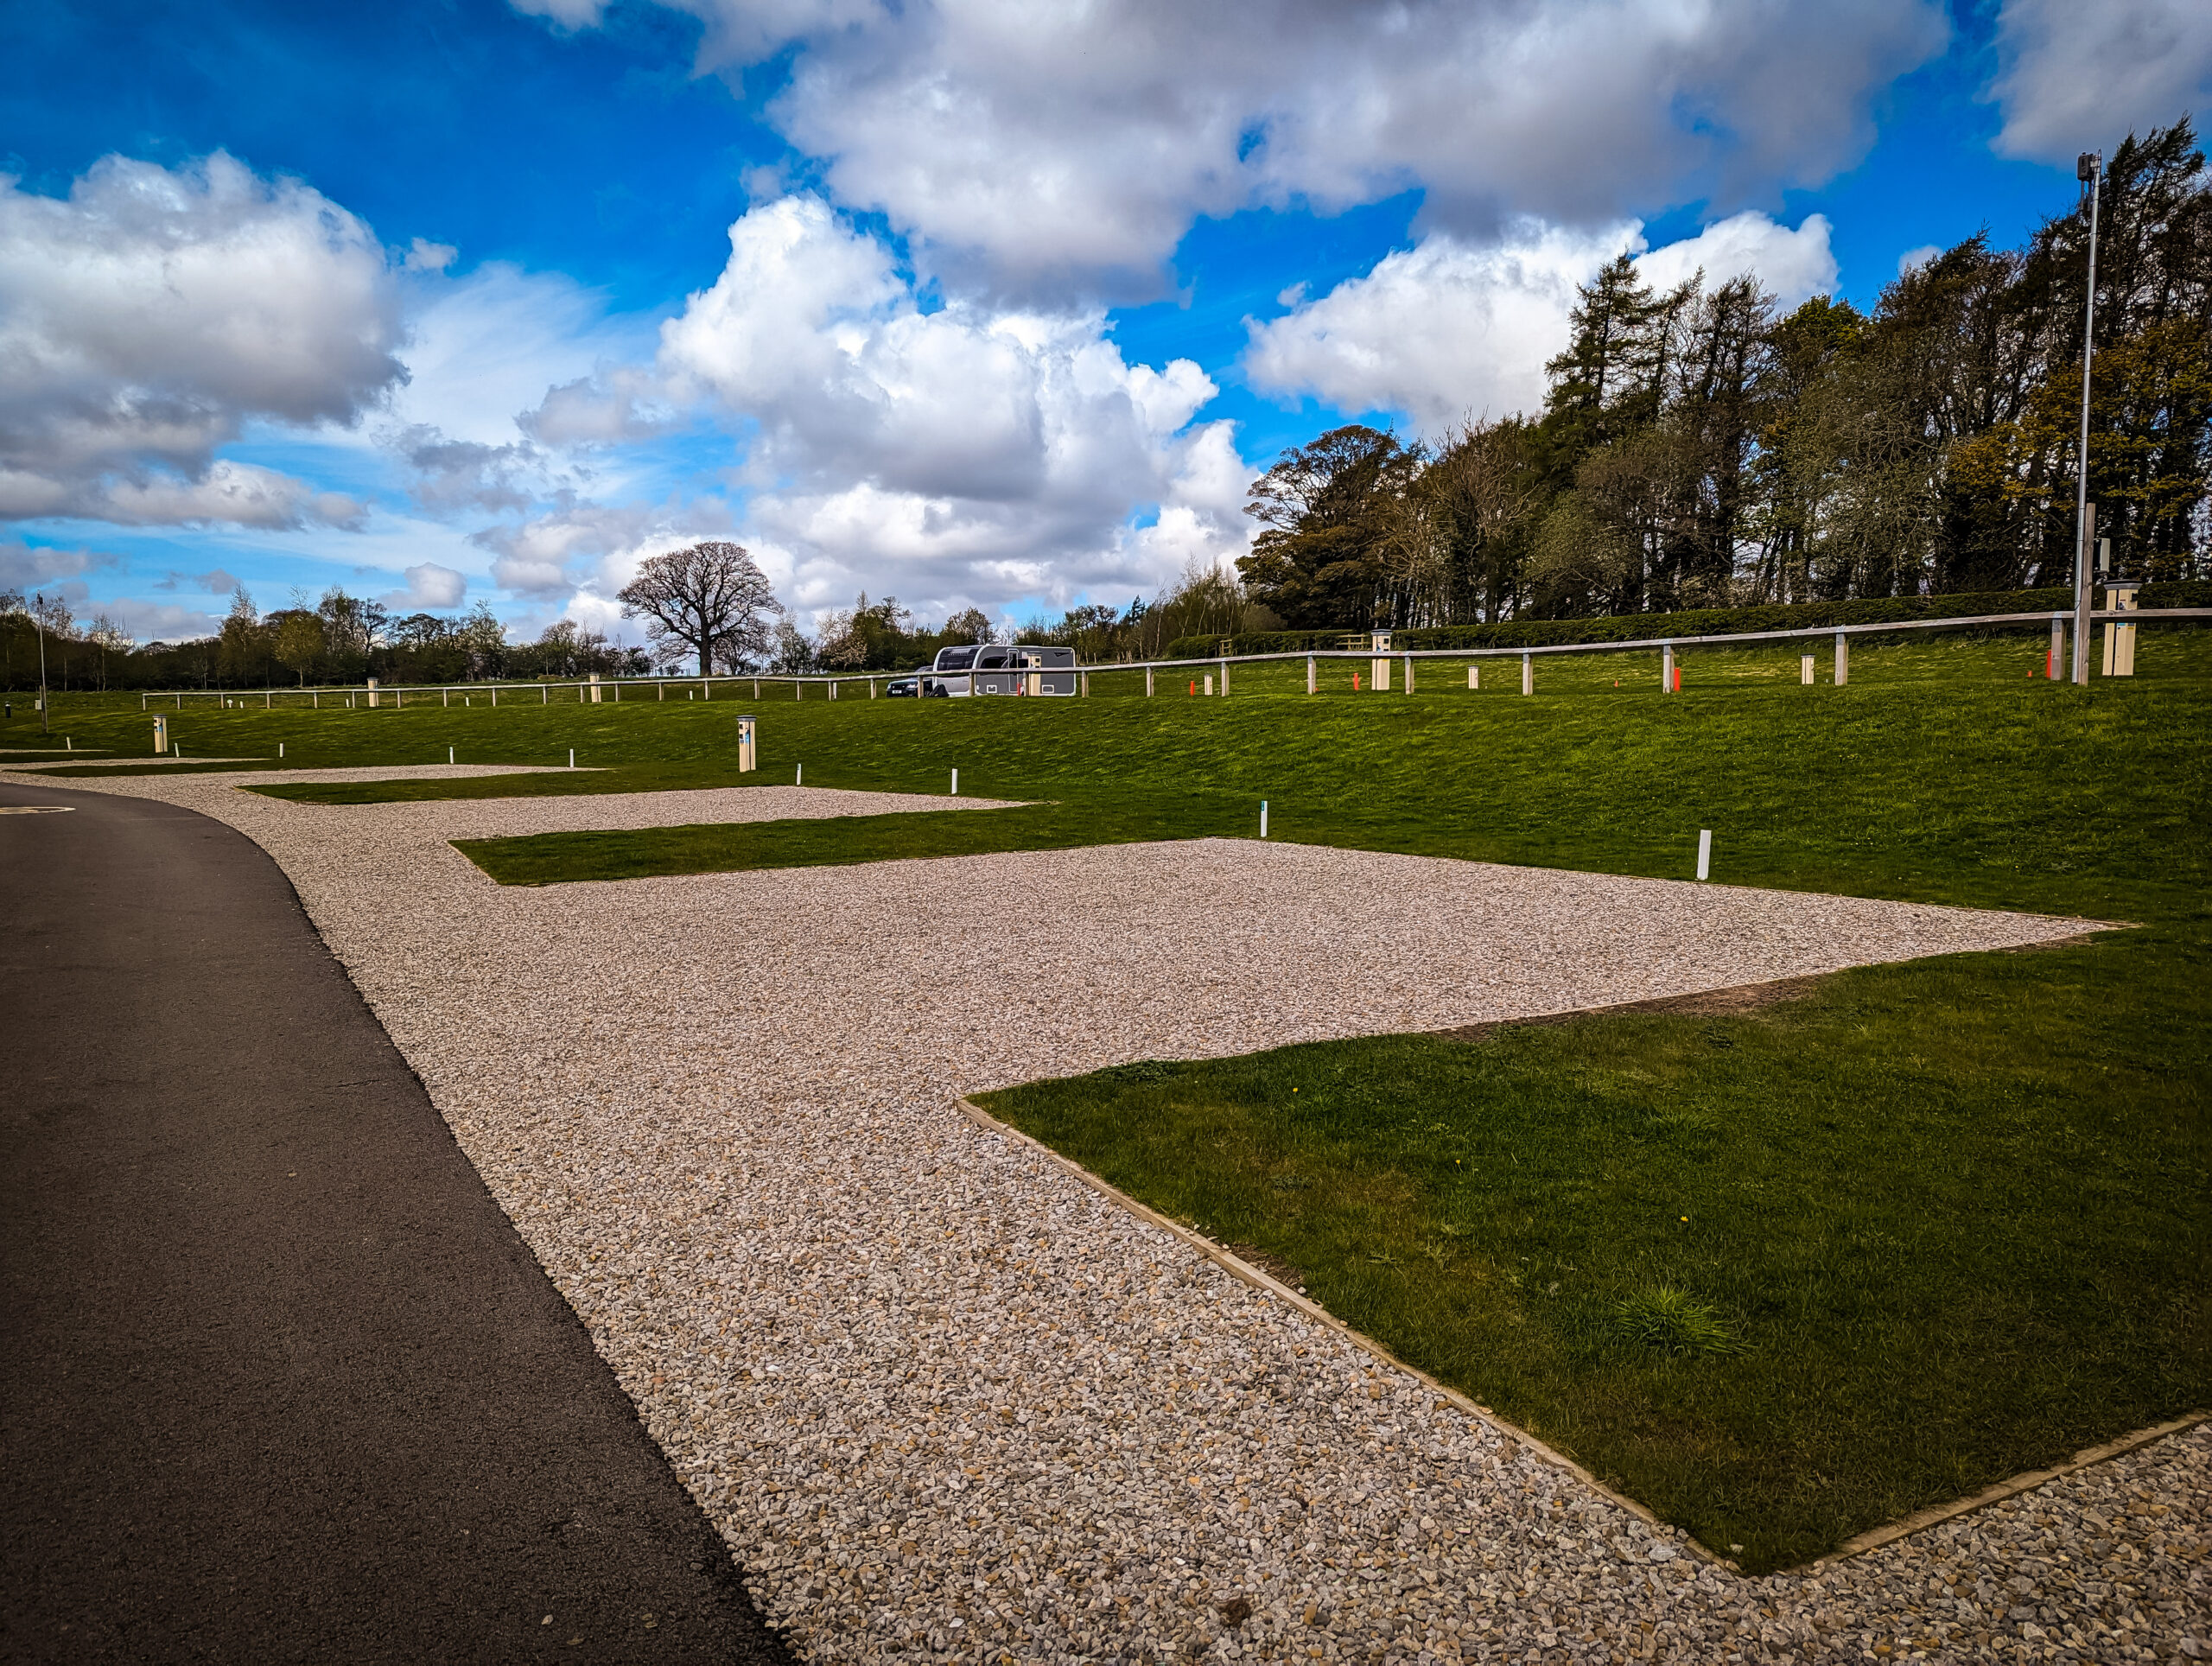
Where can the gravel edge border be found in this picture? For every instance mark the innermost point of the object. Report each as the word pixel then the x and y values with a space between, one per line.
pixel 1873 1539
pixel 1237 1267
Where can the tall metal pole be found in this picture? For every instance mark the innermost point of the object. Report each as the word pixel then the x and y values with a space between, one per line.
pixel 45 715
pixel 2090 170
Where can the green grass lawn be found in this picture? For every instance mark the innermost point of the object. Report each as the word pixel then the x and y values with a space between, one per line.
pixel 1944 1222
pixel 1781 1276
pixel 836 841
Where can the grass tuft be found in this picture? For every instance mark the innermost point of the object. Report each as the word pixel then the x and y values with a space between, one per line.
pixel 1672 1321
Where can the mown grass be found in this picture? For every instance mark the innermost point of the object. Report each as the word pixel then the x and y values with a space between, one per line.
pixel 833 841
pixel 1945 1222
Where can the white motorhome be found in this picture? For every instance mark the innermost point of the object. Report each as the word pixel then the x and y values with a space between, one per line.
pixel 991 668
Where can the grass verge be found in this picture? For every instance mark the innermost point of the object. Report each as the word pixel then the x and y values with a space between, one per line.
pixel 830 841
pixel 1781 1275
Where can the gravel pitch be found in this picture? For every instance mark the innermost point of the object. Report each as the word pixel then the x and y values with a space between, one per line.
pixel 946 1402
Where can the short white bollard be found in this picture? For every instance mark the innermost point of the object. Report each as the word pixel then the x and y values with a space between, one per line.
pixel 1704 852
pixel 1209 681
pixel 1224 677
pixel 280 748
pixel 1313 684
pixel 449 755
pixel 1666 668
pixel 1805 670
pixel 1147 682
pixel 1263 818
pixel 1528 674
pixel 1409 673
pixel 956 783
pixel 572 757
pixel 1474 676
pixel 1842 659
pixel 800 777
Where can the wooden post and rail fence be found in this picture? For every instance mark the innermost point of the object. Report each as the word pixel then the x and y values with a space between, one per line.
pixel 2121 621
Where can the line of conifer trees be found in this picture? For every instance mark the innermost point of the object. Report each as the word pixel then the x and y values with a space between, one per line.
pixel 1697 448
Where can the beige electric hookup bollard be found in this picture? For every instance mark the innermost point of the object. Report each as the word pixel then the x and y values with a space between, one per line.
pixel 2119 639
pixel 161 736
pixel 745 727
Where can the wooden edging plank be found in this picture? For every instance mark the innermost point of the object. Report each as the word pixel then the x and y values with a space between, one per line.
pixel 1872 1539
pixel 1875 1538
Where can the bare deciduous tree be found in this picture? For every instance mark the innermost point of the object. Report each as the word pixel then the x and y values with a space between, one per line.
pixel 710 600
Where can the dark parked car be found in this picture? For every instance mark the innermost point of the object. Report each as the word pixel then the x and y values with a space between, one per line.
pixel 904 688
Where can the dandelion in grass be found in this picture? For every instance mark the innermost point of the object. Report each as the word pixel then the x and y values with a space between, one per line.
pixel 1674 1322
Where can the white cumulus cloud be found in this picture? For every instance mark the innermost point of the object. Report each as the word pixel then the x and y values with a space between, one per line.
pixel 2075 76
pixel 953 453
pixel 1055 145
pixel 147 317
pixel 429 585
pixel 1448 329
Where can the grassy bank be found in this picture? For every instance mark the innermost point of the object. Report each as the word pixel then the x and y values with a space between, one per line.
pixel 1783 1274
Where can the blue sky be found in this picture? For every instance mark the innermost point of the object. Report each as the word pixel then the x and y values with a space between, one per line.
pixel 971 302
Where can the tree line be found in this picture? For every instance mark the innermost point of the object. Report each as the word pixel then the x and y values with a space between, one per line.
pixel 1699 448
pixel 339 639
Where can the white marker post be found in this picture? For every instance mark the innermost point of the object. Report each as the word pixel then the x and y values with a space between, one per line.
pixel 449 755
pixel 1805 670
pixel 280 748
pixel 1666 668
pixel 1474 675
pixel 1263 818
pixel 572 757
pixel 1527 673
pixel 1704 853
pixel 799 779
pixel 1312 684
pixel 956 783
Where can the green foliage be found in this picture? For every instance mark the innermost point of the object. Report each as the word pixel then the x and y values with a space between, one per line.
pixel 1697 451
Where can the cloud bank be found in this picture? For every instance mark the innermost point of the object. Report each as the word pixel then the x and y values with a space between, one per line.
pixel 1447 330
pixel 2078 77
pixel 148 317
pixel 1048 151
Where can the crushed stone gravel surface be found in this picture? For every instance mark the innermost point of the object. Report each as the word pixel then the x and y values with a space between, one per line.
pixel 949 1404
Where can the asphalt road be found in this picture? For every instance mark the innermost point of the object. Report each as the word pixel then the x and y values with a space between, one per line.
pixel 278 1380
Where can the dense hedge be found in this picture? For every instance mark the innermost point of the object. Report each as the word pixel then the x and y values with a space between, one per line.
pixel 1708 621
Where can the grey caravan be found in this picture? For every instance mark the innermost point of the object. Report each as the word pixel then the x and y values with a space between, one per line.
pixel 991 668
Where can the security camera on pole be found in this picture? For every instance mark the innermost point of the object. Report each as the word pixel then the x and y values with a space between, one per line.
pixel 2089 168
